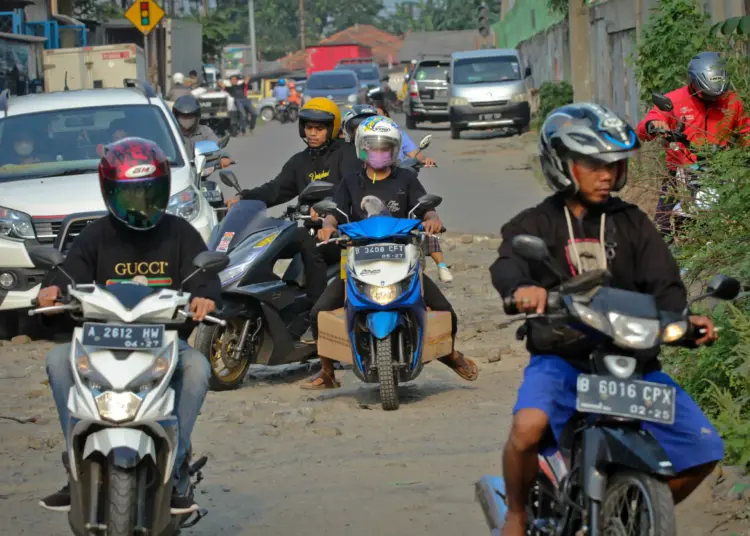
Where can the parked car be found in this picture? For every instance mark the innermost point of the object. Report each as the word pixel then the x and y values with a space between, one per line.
pixel 427 95
pixel 340 85
pixel 367 71
pixel 59 176
pixel 488 89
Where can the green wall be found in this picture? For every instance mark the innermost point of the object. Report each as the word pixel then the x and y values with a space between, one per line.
pixel 517 25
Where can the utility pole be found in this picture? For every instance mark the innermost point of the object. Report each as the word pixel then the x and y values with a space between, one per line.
pixel 251 14
pixel 205 8
pixel 580 46
pixel 302 23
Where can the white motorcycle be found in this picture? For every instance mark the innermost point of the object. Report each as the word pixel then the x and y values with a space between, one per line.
pixel 122 432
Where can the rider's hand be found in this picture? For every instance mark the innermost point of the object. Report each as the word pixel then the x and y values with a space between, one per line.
pixel 655 125
pixel 225 162
pixel 324 234
pixel 429 162
pixel 433 226
pixel 703 322
pixel 200 307
pixel 49 296
pixel 531 299
pixel 314 215
pixel 232 201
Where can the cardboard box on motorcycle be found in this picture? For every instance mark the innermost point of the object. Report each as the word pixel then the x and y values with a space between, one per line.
pixel 334 343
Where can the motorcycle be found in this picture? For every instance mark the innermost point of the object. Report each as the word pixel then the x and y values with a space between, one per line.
pixel 384 329
pixel 286 112
pixel 266 315
pixel 413 163
pixel 603 454
pixel 123 434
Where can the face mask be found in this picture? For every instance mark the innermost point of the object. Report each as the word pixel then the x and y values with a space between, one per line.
pixel 186 123
pixel 379 159
pixel 24 148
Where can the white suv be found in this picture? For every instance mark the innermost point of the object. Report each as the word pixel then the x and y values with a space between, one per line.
pixel 55 175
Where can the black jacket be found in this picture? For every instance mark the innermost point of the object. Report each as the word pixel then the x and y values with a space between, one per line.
pixel 330 165
pixel 642 263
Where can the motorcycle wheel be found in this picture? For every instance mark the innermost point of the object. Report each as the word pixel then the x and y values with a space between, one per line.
pixel 653 512
pixel 121 497
pixel 386 374
pixel 226 374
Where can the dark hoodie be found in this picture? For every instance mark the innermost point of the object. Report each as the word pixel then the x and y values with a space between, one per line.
pixel 642 262
pixel 330 164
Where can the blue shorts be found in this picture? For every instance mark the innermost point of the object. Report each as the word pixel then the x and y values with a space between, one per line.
pixel 549 385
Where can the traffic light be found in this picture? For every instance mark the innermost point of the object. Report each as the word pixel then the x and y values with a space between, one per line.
pixel 483 15
pixel 145 19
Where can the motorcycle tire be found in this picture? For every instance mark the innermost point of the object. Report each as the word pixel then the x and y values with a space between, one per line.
pixel 386 374
pixel 656 496
pixel 204 342
pixel 121 501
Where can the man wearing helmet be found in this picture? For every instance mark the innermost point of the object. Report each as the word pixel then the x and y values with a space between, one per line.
pixel 380 186
pixel 138 239
pixel 584 151
pixel 187 111
pixel 711 112
pixel 323 159
pixel 280 91
pixel 178 87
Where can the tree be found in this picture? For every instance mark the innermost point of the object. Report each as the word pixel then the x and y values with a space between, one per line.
pixel 94 10
pixel 218 26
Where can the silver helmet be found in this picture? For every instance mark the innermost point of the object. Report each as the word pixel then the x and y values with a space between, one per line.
pixel 708 76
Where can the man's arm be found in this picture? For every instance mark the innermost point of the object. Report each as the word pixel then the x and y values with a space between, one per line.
pixel 277 191
pixel 655 114
pixel 509 271
pixel 201 285
pixel 741 125
pixel 80 263
pixel 343 199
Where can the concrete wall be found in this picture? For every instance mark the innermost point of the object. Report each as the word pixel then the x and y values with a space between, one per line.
pixel 522 21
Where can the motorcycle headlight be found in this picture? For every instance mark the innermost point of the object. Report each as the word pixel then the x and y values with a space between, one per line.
pixel 151 377
pixel 260 242
pixel 591 318
pixel 635 333
pixel 185 204
pixel 15 225
pixel 383 295
pixel 352 98
pixel 118 407
pixel 674 331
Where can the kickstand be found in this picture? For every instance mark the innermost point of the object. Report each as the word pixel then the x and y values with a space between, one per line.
pixel 194 519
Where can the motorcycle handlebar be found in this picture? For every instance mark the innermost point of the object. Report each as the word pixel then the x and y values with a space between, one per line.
pixel 207 318
pixel 553 303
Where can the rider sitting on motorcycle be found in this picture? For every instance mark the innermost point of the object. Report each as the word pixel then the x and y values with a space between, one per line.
pixel 178 87
pixel 187 111
pixel 711 113
pixel 584 155
pixel 323 159
pixel 294 96
pixel 137 239
pixel 378 140
pixel 280 91
pixel 352 119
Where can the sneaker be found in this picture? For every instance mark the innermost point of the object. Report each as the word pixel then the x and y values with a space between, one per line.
pixel 181 504
pixel 308 337
pixel 58 501
pixel 444 274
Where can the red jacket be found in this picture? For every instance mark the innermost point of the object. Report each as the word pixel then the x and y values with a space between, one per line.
pixel 713 124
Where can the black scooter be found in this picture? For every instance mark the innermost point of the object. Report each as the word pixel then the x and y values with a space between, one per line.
pixel 266 315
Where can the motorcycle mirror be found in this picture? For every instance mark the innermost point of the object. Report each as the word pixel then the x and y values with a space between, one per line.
pixel 723 287
pixel 228 178
pixel 325 207
pixel 206 148
pixel 662 102
pixel 430 199
pixel 211 262
pixel 425 142
pixel 530 248
pixel 45 257
pixel 316 191
pixel 223 142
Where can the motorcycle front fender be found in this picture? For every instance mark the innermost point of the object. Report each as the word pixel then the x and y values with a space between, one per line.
pixel 607 448
pixel 382 323
pixel 124 447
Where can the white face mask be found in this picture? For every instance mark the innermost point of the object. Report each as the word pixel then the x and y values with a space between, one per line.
pixel 24 148
pixel 186 123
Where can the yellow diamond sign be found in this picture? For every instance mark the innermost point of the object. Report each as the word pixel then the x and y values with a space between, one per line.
pixel 145 15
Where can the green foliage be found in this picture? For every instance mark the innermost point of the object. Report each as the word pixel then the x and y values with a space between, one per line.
pixel 218 26
pixel 553 95
pixel 94 10
pixel 558 6
pixel 674 33
pixel 437 15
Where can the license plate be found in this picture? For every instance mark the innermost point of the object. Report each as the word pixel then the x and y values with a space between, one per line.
pixel 212 196
pixel 442 93
pixel 123 336
pixel 387 252
pixel 222 114
pixel 490 117
pixel 645 401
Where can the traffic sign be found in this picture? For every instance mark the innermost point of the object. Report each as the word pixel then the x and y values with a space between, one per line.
pixel 145 15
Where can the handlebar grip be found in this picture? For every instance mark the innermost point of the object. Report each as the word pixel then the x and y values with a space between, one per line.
pixel 553 303
pixel 509 305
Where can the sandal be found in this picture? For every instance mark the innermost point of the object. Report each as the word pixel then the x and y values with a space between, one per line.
pixel 320 382
pixel 463 366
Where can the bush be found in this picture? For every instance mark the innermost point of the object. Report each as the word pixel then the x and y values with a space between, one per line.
pixel 553 95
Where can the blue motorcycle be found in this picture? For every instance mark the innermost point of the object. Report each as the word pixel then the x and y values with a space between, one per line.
pixel 384 329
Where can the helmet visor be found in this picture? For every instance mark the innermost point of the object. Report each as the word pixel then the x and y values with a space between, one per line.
pixel 139 203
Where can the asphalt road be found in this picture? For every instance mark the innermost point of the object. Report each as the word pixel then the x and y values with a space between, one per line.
pixel 484 178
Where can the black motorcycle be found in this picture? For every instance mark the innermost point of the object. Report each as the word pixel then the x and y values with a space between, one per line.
pixel 266 315
pixel 604 457
pixel 286 112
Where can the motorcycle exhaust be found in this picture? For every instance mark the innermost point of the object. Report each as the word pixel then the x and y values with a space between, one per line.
pixel 490 492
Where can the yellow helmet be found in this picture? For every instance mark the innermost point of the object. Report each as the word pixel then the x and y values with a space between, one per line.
pixel 321 110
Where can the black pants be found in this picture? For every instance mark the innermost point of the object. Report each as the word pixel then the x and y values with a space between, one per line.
pixel 315 259
pixel 334 296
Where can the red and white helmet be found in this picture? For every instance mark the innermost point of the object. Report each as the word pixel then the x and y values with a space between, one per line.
pixel 135 179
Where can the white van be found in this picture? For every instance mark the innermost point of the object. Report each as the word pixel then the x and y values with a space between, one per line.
pixel 488 89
